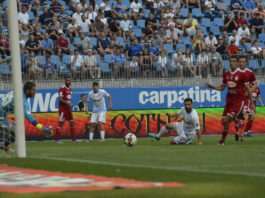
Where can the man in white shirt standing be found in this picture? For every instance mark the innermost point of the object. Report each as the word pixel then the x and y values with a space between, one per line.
pixel 97 96
pixel 77 63
pixel 23 16
pixel 186 129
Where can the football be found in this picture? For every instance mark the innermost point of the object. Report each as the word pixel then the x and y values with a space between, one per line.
pixel 130 139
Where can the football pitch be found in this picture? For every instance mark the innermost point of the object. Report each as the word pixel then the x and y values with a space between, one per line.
pixel 208 170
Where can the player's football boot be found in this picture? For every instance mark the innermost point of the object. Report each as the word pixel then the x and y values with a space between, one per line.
pixel 221 143
pixel 58 142
pixel 248 134
pixel 152 135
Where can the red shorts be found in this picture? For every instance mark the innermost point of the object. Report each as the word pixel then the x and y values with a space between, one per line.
pixel 65 116
pixel 233 110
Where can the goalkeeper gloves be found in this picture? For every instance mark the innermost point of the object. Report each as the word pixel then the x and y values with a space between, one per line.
pixel 47 130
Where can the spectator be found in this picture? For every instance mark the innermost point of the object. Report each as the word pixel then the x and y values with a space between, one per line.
pixel 62 45
pixel 168 13
pixel 91 65
pixel 136 10
pixel 114 43
pixel 257 23
pixel 4 45
pixel 33 45
pixel 243 32
pixel 193 3
pixel 175 5
pixel 173 35
pixel 77 64
pixel 135 49
pixel 45 18
pixel 232 48
pixel 34 67
pixel 253 35
pixel 26 4
pixel 242 46
pixel 203 64
pixel 162 64
pixel 134 65
pixel 82 5
pixel 198 42
pixel 151 21
pixel 84 25
pixel 148 31
pixel 118 60
pixel 104 45
pixel 114 27
pixel 158 40
pixel 210 8
pixel 129 40
pixel 126 25
pixel 240 21
pixel 236 6
pixel 55 24
pixel 82 103
pixel 190 25
pixel 178 62
pixel 91 14
pixel 257 51
pixel 78 16
pixel 23 16
pixel 210 41
pixel 47 45
pixel 84 43
pixel 106 8
pixel 98 27
pixel 189 62
pixel 221 46
pixel 249 5
pixel 158 6
pixel 235 37
pixel 146 64
pixel 225 37
pixel 259 10
pixel 216 62
pixel 37 32
pixel 72 30
pixel 222 8
pixel 120 9
pixel 230 23
pixel 153 50
pixel 50 69
pixel 55 7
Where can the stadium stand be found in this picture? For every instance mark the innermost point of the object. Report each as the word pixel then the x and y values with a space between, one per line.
pixel 148 20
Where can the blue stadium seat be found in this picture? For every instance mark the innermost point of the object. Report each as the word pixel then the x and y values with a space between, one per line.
pixel 215 30
pixel 262 37
pixel 107 58
pixel 121 41
pixel 41 59
pixel 104 67
pixel 261 44
pixel 253 64
pixel 218 22
pixel 77 40
pixel 93 41
pixel 206 22
pixel 226 65
pixel 186 40
pixel 146 13
pixel 98 58
pixel 141 23
pixel 182 46
pixel 137 32
pixel 67 60
pixel 169 65
pixel 248 46
pixel 31 15
pixel 39 13
pixel 204 30
pixel 5 69
pixel 184 12
pixel 197 13
pixel 169 48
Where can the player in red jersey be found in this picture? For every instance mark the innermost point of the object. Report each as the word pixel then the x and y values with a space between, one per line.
pixel 248 106
pixel 65 110
pixel 255 96
pixel 236 83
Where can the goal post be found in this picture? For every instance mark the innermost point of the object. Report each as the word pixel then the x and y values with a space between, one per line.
pixel 17 78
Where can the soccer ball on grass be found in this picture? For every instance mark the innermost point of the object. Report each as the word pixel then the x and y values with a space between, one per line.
pixel 130 139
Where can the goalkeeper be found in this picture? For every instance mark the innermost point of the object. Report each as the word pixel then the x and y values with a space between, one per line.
pixel 7 108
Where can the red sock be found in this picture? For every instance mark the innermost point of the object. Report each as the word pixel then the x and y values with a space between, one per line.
pixel 224 134
pixel 249 125
pixel 72 129
pixel 58 134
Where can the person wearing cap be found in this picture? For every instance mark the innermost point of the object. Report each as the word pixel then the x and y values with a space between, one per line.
pixel 62 44
pixel 232 48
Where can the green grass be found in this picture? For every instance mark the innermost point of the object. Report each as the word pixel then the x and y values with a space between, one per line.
pixel 235 170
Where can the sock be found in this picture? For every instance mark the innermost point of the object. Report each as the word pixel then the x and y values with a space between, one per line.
pixel 162 131
pixel 72 129
pixel 224 134
pixel 91 136
pixel 58 134
pixel 102 135
pixel 249 125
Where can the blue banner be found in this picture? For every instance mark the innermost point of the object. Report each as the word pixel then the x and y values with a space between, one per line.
pixel 138 98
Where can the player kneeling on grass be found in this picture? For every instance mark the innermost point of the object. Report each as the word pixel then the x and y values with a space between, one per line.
pixel 7 108
pixel 97 96
pixel 186 129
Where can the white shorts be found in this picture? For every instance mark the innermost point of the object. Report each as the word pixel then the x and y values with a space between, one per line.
pixel 98 117
pixel 182 138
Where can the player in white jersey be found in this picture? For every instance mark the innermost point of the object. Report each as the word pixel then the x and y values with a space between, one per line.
pixel 186 129
pixel 97 96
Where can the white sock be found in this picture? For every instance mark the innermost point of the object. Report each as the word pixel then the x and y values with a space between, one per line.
pixel 162 131
pixel 102 135
pixel 91 136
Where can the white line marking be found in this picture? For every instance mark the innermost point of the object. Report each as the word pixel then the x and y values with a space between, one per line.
pixel 152 166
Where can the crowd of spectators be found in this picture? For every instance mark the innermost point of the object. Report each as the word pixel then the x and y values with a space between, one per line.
pixel 125 38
